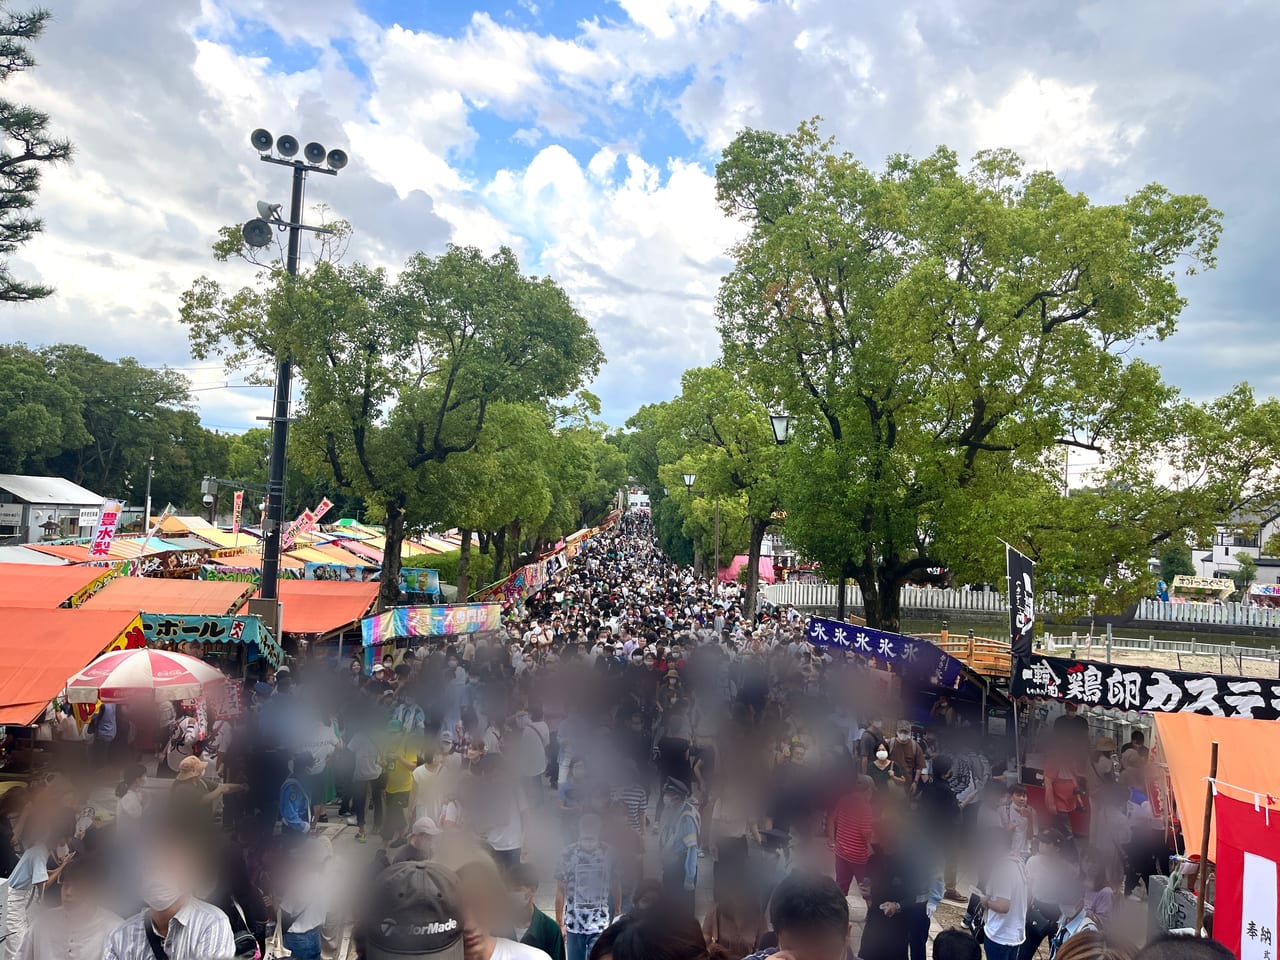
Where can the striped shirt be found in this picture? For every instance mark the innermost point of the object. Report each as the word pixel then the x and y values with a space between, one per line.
pixel 635 799
pixel 853 829
pixel 199 931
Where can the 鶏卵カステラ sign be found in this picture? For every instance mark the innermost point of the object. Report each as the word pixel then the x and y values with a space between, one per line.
pixel 1124 687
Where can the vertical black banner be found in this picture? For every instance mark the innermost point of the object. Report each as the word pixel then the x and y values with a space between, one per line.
pixel 1022 603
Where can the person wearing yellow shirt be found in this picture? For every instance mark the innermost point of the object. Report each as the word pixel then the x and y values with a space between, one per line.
pixel 400 760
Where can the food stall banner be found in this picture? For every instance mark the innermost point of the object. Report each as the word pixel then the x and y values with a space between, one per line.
pixel 435 621
pixel 1022 602
pixel 106 530
pixel 237 510
pixel 1215 588
pixel 1247 870
pixel 337 571
pixel 196 628
pixel 917 658
pixel 1125 687
pixel 419 580
pixel 308 521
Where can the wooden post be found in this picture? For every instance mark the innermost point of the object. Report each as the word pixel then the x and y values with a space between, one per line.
pixel 1202 879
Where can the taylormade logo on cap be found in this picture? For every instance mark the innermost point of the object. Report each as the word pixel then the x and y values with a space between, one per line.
pixel 389 927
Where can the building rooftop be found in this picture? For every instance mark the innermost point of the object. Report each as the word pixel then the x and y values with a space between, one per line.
pixel 51 490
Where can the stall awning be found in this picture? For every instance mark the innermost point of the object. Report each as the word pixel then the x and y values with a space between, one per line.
pixel 36 585
pixel 254 561
pixel 25 555
pixel 1246 758
pixel 322 607
pixel 122 548
pixel 40 649
pixel 226 540
pixel 330 555
pixel 212 598
pixel 358 549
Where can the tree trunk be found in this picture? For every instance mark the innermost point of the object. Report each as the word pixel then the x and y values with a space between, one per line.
pixel 499 552
pixel 464 566
pixel 389 591
pixel 485 539
pixel 881 600
pixel 758 528
pixel 697 558
pixel 840 605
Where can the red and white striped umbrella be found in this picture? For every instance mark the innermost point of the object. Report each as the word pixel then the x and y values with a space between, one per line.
pixel 125 674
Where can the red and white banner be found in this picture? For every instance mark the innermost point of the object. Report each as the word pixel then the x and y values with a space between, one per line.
pixel 309 520
pixel 1246 919
pixel 106 531
pixel 237 508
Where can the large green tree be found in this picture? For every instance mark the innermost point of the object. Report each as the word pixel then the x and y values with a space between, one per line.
pixel 26 147
pixel 942 335
pixel 399 374
pixel 719 431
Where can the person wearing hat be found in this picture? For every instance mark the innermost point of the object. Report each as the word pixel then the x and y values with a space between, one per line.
pixel 418 846
pixel 678 842
pixel 193 801
pixel 411 909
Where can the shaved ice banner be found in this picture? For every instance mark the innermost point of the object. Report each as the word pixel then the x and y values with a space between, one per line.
pixel 444 620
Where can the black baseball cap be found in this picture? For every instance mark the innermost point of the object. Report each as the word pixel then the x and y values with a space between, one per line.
pixel 414 910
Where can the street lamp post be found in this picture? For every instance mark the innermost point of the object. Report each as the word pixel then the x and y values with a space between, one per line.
pixel 257 233
pixel 781 424
pixel 146 509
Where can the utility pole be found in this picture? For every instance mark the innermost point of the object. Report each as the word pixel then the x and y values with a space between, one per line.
pixel 146 509
pixel 257 233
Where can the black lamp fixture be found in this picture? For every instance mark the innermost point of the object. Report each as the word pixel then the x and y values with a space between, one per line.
pixel 688 481
pixel 781 423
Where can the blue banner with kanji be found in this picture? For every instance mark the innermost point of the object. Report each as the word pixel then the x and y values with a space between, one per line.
pixel 915 657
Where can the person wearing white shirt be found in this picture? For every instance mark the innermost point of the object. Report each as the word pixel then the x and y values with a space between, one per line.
pixel 78 929
pixel 1005 900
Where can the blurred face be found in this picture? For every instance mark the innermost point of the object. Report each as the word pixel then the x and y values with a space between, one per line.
pixel 474 752
pixel 76 896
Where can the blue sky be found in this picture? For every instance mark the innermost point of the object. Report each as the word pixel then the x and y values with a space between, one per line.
pixel 585 134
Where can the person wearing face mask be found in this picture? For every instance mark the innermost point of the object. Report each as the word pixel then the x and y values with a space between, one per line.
pixel 906 753
pixel 78 929
pixel 678 839
pixel 1075 919
pixel 884 772
pixel 587 890
pixel 531 926
pixel 175 924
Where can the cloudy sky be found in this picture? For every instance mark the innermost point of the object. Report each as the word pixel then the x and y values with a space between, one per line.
pixel 585 135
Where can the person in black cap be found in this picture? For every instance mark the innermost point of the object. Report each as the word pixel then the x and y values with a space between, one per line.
pixel 413 911
pixel 678 838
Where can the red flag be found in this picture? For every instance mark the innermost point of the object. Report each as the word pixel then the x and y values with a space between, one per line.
pixel 1245 919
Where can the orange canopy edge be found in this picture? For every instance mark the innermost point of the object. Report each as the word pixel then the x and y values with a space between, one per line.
pixel 37 585
pixel 40 649
pixel 1246 759
pixel 323 606
pixel 210 598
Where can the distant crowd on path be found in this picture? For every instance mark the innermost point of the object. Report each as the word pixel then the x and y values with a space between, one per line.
pixel 699 781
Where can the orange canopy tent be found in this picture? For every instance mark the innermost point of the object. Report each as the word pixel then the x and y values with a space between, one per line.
pixel 321 607
pixel 37 585
pixel 40 649
pixel 1246 760
pixel 210 598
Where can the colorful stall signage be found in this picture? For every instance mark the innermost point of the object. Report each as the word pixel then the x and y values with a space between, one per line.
pixel 917 658
pixel 106 529
pixel 1022 602
pixel 89 589
pixel 237 509
pixel 435 621
pixel 1125 687
pixel 337 571
pixel 419 580
pixel 194 628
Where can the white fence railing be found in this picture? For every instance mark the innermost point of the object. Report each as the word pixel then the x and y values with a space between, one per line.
pixel 912 598
pixel 1219 614
pixel 1059 643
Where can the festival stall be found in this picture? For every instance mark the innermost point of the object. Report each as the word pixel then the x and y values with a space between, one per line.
pixel 382 632
pixel 39 649
pixel 1202 589
pixel 731 573
pixel 201 597
pixel 34 585
pixel 1265 594
pixel 319 610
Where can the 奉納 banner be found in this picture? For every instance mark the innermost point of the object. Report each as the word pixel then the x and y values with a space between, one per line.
pixel 1022 602
pixel 1247 870
pixel 435 621
pixel 919 658
pixel 1127 687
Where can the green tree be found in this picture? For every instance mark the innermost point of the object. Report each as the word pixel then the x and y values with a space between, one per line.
pixel 40 415
pixel 27 147
pixel 941 336
pixel 399 375
pixel 718 430
pixel 1175 560
pixel 1244 574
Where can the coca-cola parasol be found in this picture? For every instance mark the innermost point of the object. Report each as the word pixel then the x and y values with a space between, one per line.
pixel 124 675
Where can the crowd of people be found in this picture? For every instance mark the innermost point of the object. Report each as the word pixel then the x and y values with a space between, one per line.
pixel 683 779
